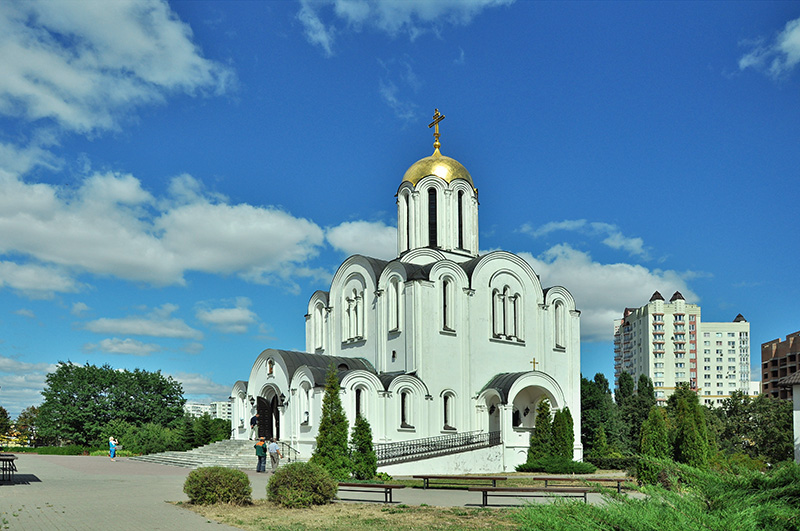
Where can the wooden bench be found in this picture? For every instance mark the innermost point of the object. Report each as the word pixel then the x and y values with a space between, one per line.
pixel 565 481
pixel 372 487
pixel 457 480
pixel 7 467
pixel 520 492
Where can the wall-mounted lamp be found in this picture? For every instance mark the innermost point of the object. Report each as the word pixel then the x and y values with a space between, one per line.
pixel 492 409
pixel 252 400
pixel 284 400
pixel 525 413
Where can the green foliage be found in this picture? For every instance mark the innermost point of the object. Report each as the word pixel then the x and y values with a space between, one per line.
pixel 760 427
pixel 362 454
pixel 556 465
pixel 690 446
pixel 151 439
pixel 563 438
pixel 654 443
pixel 597 407
pixel 5 421
pixel 627 463
pixel 203 430
pixel 216 484
pixel 625 388
pixel 600 449
pixel 749 501
pixel 71 449
pixel 26 422
pixel 301 484
pixel 542 436
pixel 80 400
pixel 331 451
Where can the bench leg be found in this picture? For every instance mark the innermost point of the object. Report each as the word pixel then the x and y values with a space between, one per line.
pixel 485 498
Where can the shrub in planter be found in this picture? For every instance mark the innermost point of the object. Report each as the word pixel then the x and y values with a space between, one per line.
pixel 301 485
pixel 216 484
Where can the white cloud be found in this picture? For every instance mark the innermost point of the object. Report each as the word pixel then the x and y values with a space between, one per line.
pixel 613 235
pixel 157 323
pixel 79 308
pixel 236 320
pixel 22 383
pixel 24 312
pixel 410 17
pixel 778 57
pixel 198 386
pixel 603 291
pixel 123 346
pixel 83 65
pixel 109 225
pixel 372 239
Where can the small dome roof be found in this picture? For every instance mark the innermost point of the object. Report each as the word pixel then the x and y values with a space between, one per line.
pixel 437 164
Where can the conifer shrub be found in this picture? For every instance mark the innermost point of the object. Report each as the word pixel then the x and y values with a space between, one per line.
pixel 542 436
pixel 629 463
pixel 654 443
pixel 216 484
pixel 557 465
pixel 362 454
pixel 332 452
pixel 301 484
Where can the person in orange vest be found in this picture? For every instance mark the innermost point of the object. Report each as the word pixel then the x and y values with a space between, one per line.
pixel 261 453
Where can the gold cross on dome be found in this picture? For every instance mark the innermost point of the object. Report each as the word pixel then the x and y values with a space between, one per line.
pixel 436 119
pixel 534 362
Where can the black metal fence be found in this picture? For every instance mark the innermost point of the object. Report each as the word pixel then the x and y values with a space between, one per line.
pixel 398 452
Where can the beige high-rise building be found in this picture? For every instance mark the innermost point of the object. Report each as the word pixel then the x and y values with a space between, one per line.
pixel 669 343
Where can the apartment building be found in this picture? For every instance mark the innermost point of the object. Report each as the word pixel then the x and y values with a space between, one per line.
pixel 779 359
pixel 217 410
pixel 669 343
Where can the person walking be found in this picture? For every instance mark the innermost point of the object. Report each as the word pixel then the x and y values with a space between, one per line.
pixel 254 427
pixel 112 448
pixel 261 453
pixel 275 454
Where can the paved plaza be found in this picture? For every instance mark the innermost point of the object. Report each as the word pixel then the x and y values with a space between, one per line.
pixel 93 493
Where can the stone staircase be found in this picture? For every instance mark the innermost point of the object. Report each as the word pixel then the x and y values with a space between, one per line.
pixel 229 453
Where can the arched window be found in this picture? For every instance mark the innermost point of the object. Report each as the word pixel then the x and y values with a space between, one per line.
pixel 433 240
pixel 319 326
pixel 359 411
pixel 461 219
pixel 497 313
pixel 559 324
pixel 393 303
pixel 447 306
pixel 405 409
pixel 405 230
pixel 447 411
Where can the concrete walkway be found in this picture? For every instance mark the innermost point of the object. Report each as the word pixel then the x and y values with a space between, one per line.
pixel 93 493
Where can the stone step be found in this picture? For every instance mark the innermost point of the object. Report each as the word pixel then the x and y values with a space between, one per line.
pixel 228 453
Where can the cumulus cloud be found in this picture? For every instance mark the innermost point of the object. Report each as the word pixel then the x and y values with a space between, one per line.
pixel 25 312
pixel 323 19
pixel 200 386
pixel 22 383
pixel 109 225
pixel 612 234
pixel 236 320
pixel 364 237
pixel 79 308
pixel 157 323
pixel 122 346
pixel 776 57
pixel 603 291
pixel 83 65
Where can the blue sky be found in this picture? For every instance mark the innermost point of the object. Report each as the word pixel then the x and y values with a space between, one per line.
pixel 177 179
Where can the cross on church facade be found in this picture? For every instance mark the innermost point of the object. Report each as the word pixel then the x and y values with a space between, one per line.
pixel 437 117
pixel 534 362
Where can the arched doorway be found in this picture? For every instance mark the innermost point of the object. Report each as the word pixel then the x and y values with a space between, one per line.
pixel 269 419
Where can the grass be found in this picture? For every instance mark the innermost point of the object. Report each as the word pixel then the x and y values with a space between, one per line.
pixel 265 516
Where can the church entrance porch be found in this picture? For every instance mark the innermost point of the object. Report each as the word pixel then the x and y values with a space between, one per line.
pixel 269 420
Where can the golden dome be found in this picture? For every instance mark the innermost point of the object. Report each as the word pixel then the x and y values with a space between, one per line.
pixel 437 164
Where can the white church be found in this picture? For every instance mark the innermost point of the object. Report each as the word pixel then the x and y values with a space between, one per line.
pixel 446 352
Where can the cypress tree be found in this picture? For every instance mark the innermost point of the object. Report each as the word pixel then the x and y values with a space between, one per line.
pixel 600 443
pixel 331 451
pixel 562 434
pixel 542 436
pixel 690 446
pixel 362 453
pixel 654 444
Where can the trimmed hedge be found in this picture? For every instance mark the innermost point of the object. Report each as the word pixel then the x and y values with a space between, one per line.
pixel 216 484
pixel 556 465
pixel 301 484
pixel 615 463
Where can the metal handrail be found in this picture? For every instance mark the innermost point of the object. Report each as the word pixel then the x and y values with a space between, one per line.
pixel 431 446
pixel 288 451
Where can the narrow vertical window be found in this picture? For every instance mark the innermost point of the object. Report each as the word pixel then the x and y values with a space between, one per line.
pixel 445 309
pixel 406 222
pixel 432 235
pixel 559 325
pixel 404 417
pixel 461 219
pixel 446 404
pixel 496 313
pixel 359 412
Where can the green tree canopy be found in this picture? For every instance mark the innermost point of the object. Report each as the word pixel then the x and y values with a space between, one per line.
pixel 26 422
pixel 542 436
pixel 79 400
pixel 625 389
pixel 760 427
pixel 362 453
pixel 5 421
pixel 332 452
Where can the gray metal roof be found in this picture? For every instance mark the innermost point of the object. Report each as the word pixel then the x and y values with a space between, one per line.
pixel 792 379
pixel 502 384
pixel 318 364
